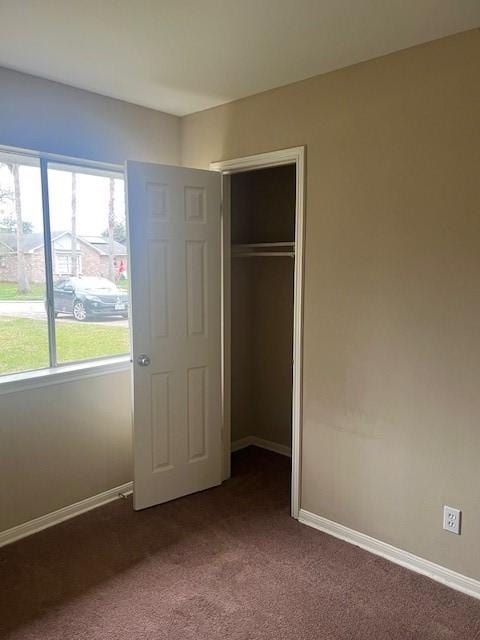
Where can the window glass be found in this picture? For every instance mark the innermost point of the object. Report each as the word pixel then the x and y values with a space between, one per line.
pixel 64 263
pixel 23 320
pixel 88 230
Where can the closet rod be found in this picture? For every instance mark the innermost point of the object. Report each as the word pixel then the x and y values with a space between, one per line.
pixel 264 254
pixel 260 245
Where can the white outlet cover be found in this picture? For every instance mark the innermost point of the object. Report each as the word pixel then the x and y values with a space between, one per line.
pixel 452 519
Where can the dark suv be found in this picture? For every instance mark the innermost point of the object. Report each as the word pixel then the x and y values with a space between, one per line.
pixel 88 297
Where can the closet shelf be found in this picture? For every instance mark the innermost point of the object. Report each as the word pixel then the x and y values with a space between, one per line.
pixel 256 249
pixel 262 245
pixel 264 254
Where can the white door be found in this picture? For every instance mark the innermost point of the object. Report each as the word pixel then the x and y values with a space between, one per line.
pixel 174 234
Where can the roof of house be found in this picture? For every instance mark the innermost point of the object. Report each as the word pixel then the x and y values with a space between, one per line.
pixel 101 244
pixel 30 240
pixel 33 241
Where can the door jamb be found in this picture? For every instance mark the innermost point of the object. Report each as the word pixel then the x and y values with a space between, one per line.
pixel 296 156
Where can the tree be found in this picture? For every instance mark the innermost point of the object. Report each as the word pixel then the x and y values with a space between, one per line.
pixel 74 224
pixel 119 233
pixel 9 224
pixel 111 228
pixel 22 278
pixel 5 193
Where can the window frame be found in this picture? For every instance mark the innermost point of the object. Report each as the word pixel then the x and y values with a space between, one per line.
pixel 57 373
pixel 61 254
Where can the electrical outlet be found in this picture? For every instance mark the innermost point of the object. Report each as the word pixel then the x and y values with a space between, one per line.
pixel 451 519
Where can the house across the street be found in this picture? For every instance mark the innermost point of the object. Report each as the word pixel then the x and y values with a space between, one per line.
pixel 92 253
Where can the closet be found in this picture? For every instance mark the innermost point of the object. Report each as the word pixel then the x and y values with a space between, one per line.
pixel 262 225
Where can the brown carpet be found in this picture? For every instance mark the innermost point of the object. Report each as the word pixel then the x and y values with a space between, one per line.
pixel 226 563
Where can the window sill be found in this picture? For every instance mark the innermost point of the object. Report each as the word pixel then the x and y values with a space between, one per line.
pixel 65 373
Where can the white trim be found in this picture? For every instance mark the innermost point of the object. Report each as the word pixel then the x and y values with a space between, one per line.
pixel 58 158
pixel 296 156
pixel 79 239
pixel 250 441
pixel 260 160
pixel 226 310
pixel 264 254
pixel 58 254
pixel 55 517
pixel 282 449
pixel 69 251
pixel 243 443
pixel 59 375
pixel 10 250
pixel 255 245
pixel 53 239
pixel 436 572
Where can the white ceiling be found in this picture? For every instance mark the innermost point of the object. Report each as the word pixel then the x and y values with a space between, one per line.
pixel 182 56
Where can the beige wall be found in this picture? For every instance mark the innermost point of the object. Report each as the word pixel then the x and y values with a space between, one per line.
pixel 272 346
pixel 241 407
pixel 262 210
pixel 391 408
pixel 75 441
pixel 261 349
pixel 62 443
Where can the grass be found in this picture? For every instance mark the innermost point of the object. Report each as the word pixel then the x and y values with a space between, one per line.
pixel 123 284
pixel 8 291
pixel 24 343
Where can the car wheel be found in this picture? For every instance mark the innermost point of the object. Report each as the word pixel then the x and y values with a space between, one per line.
pixel 55 314
pixel 79 311
pixel 125 315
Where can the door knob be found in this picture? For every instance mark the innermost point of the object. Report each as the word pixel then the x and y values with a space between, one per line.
pixel 143 360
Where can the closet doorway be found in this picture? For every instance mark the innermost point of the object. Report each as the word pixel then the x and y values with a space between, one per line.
pixel 262 284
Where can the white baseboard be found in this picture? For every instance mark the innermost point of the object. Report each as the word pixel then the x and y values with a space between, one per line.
pixel 55 517
pixel 435 571
pixel 243 443
pixel 263 444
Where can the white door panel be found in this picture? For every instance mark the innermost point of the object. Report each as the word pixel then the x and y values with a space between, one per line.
pixel 174 234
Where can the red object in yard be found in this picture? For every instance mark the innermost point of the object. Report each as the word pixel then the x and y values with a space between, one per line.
pixel 122 272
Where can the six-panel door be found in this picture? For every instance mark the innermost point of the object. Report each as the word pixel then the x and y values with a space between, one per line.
pixel 174 235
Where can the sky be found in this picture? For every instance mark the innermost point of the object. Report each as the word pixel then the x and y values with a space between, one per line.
pixel 92 199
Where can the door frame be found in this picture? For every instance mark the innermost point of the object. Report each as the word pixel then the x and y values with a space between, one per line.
pixel 295 156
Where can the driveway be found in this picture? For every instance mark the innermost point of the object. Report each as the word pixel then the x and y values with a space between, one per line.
pixel 23 309
pixel 36 311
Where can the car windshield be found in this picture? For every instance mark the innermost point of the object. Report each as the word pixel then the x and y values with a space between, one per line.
pixel 95 284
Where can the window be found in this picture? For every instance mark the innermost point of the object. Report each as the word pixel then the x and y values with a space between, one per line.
pixel 64 264
pixel 66 302
pixel 23 320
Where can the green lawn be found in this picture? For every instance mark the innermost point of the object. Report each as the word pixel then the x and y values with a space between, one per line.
pixel 8 291
pixel 24 342
pixel 123 284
